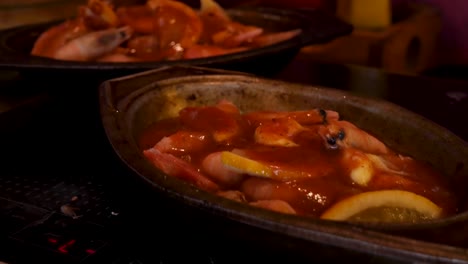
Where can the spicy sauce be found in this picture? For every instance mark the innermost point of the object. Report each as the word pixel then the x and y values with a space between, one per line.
pixel 311 170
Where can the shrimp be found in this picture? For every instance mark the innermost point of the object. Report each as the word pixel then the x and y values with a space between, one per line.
pixel 343 134
pixel 57 36
pixel 237 196
pixel 138 17
pixel 213 17
pixel 363 167
pixel 392 181
pixel 98 15
pixel 147 48
pixel 312 197
pixel 209 9
pixel 179 168
pixel 219 29
pixel 214 167
pixel 202 51
pixel 278 132
pixel 275 205
pixel 265 189
pixel 175 22
pixel 228 107
pixel 93 45
pixel 223 125
pixel 235 34
pixel 272 38
pixel 184 142
pixel 118 57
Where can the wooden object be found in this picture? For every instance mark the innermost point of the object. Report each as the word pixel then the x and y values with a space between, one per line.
pixel 407 46
pixel 375 14
pixel 17 13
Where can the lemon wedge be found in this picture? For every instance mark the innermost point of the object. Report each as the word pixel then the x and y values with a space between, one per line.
pixel 245 165
pixel 390 206
pixel 255 168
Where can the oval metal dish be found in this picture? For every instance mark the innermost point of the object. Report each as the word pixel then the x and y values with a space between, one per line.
pixel 129 104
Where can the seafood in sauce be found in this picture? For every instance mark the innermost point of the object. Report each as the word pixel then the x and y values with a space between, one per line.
pixel 155 31
pixel 297 162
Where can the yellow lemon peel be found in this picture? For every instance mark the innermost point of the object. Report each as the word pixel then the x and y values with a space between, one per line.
pixel 350 207
pixel 245 165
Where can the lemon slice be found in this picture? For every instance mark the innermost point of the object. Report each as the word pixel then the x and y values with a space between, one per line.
pixel 251 167
pixel 391 206
pixel 245 165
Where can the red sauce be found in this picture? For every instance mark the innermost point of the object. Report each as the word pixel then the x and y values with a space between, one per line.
pixel 321 171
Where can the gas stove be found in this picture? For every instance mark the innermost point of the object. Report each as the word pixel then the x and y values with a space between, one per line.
pixel 65 197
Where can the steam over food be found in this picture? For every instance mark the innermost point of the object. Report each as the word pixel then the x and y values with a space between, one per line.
pixel 155 31
pixel 310 163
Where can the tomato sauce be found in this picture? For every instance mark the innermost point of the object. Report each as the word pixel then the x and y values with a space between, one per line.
pixel 310 171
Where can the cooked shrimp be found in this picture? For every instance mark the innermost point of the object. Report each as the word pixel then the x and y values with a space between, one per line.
pixel 362 167
pixel 223 126
pixel 143 44
pixel 278 132
pixel 57 36
pixel 179 168
pixel 98 15
pixel 384 170
pixel 396 164
pixel 235 34
pixel 234 195
pixel 272 38
pixel 175 23
pixel 203 51
pixel 228 107
pixel 219 29
pixel 118 57
pixel 275 205
pixel 184 142
pixel 138 17
pixel 265 189
pixel 343 134
pixel 213 167
pixel 147 48
pixel 209 9
pixel 213 17
pixel 358 166
pixel 93 45
pixel 312 197
pixel 392 181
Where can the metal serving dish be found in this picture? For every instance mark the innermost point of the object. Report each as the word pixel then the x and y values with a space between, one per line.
pixel 317 27
pixel 129 104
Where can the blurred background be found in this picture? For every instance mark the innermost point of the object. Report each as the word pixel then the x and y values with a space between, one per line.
pixel 420 37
